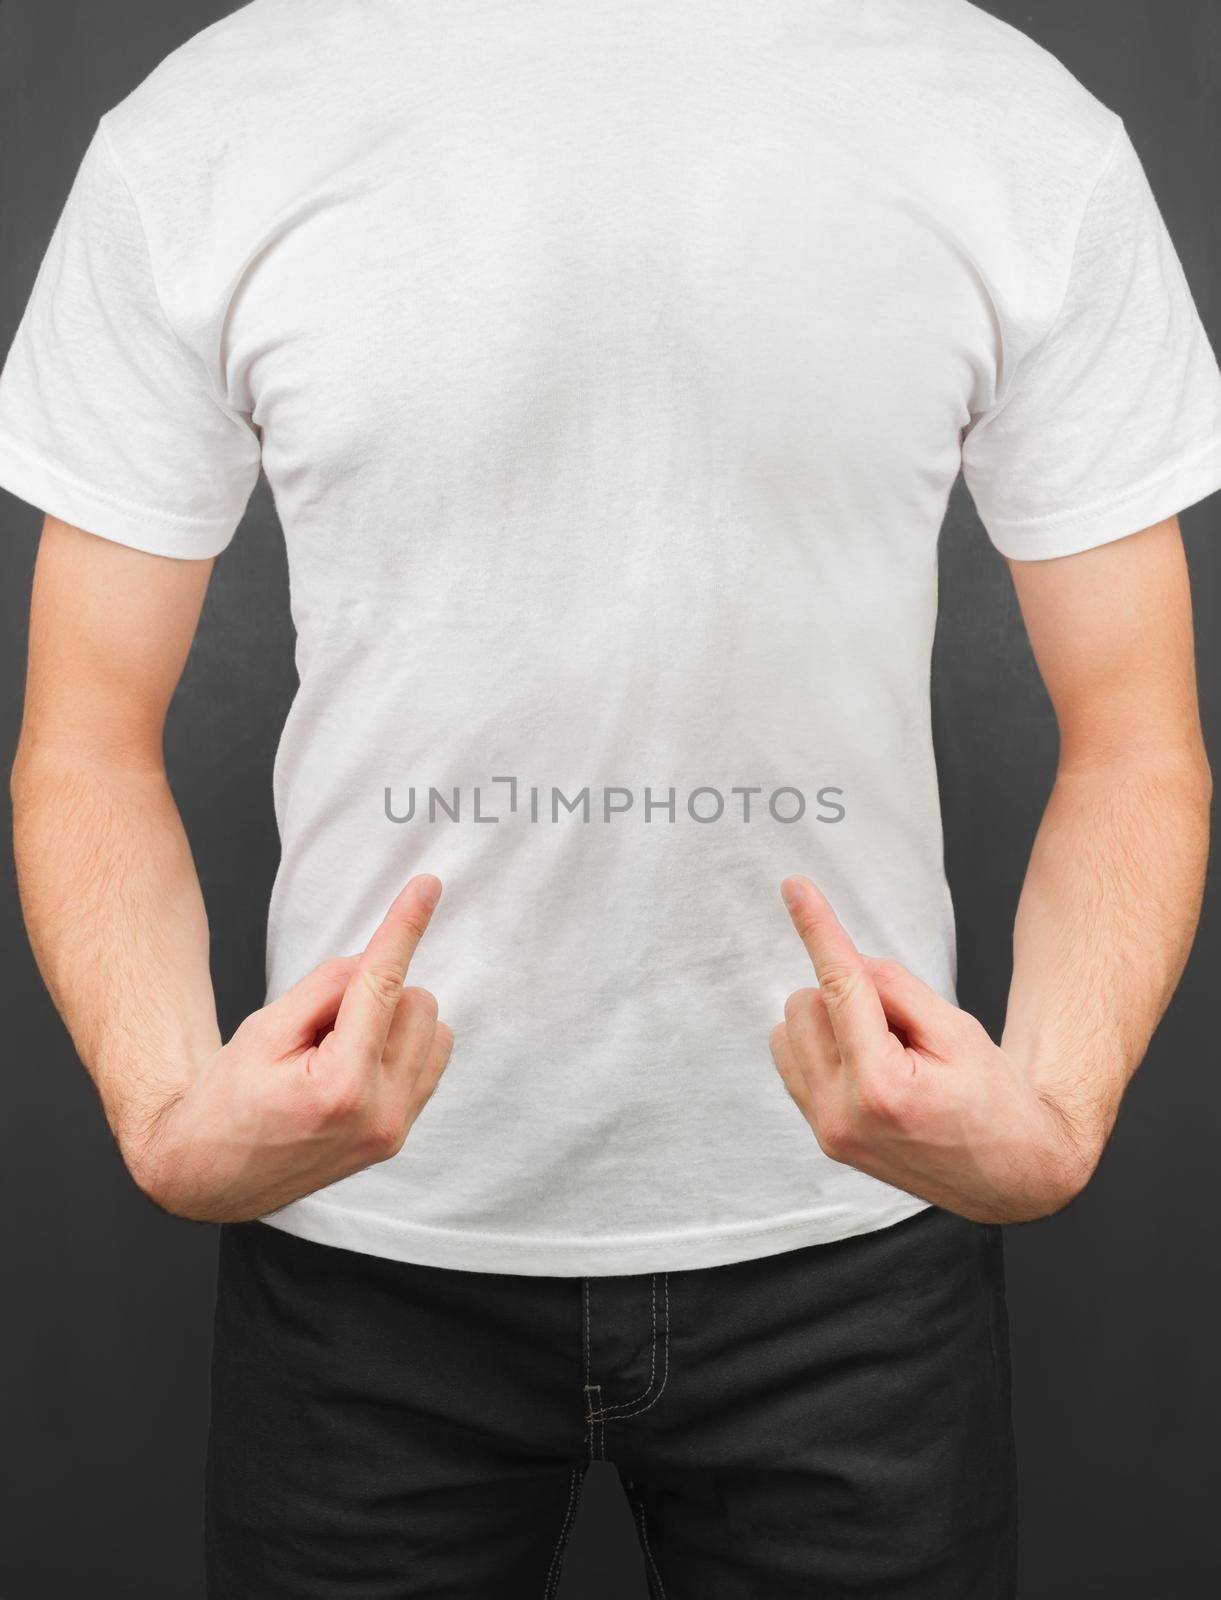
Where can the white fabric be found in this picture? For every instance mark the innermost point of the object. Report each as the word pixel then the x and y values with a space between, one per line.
pixel 610 366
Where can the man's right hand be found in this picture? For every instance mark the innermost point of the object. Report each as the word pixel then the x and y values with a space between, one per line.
pixel 324 1081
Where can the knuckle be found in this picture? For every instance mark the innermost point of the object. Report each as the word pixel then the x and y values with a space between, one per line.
pixel 445 1038
pixel 784 1058
pixel 421 1002
pixel 386 1134
pixel 253 1030
pixel 887 970
pixel 964 1029
pixel 877 1099
pixel 800 1000
pixel 339 1099
pixel 835 1136
pixel 838 984
pixel 336 969
pixel 382 981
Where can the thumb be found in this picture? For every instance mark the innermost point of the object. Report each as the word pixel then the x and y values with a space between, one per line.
pixel 927 1019
pixel 294 1019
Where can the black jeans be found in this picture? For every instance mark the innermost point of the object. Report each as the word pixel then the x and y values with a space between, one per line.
pixel 833 1421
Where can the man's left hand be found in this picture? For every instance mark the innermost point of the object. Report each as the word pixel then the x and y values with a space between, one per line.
pixel 905 1086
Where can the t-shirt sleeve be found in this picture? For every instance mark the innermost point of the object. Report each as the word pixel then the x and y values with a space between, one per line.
pixel 107 419
pixel 1112 422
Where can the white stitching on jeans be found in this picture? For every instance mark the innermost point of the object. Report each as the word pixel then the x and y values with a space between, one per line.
pixel 665 1373
pixel 648 1549
pixel 627 1405
pixel 590 1390
pixel 585 1287
pixel 592 1418
pixel 554 1571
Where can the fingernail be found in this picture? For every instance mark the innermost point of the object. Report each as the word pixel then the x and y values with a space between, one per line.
pixel 430 890
pixel 790 891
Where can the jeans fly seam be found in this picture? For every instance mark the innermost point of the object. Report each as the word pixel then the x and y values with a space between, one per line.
pixel 665 1368
pixel 626 1406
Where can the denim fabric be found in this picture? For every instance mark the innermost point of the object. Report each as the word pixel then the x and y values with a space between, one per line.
pixel 831 1421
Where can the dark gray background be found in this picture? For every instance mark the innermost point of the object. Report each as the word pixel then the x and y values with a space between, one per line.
pixel 1116 1305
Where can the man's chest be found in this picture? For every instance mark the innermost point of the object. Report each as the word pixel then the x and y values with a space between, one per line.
pixel 505 341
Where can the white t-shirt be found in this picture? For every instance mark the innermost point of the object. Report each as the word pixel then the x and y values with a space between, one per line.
pixel 610 366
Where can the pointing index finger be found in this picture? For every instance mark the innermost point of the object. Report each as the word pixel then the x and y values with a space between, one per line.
pixel 851 996
pixel 369 1002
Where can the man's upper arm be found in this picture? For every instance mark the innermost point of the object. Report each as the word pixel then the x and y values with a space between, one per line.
pixel 1111 630
pixel 110 628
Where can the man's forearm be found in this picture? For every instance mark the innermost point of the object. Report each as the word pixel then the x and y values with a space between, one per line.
pixel 117 923
pixel 1105 921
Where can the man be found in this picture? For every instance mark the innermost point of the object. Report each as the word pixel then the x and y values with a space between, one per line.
pixel 611 367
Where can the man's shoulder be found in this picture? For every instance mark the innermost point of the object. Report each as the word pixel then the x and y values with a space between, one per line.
pixel 232 82
pixel 217 135
pixel 986 124
pixel 1010 75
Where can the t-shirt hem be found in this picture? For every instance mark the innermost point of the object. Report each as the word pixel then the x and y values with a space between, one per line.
pixel 58 492
pixel 1193 477
pixel 323 1222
